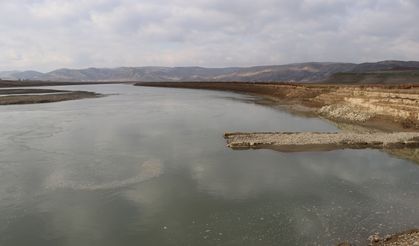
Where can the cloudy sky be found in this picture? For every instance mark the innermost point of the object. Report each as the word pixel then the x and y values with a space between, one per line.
pixel 50 34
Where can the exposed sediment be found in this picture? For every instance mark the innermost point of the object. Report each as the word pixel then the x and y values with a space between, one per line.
pixel 361 105
pixel 37 83
pixel 31 96
pixel 4 92
pixel 309 141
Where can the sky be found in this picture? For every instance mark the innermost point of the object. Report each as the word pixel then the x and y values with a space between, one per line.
pixel 49 34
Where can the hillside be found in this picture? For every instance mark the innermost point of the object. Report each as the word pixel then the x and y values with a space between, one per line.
pixel 383 77
pixel 299 72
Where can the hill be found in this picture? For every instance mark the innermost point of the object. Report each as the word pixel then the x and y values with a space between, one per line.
pixel 382 77
pixel 299 72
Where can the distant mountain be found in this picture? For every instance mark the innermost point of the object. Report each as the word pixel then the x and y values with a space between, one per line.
pixel 25 75
pixel 385 72
pixel 8 74
pixel 391 76
pixel 386 65
pixel 299 72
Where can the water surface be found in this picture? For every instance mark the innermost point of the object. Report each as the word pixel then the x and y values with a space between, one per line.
pixel 149 166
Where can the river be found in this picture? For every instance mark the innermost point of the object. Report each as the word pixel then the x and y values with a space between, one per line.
pixel 149 166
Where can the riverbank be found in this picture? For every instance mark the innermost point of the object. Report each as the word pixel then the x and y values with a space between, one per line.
pixel 384 107
pixel 32 96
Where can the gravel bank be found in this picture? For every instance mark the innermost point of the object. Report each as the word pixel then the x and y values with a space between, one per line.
pixel 309 141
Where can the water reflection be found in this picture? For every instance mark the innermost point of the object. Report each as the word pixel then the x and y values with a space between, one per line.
pixel 148 166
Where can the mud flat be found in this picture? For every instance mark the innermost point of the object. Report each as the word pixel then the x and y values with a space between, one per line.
pixel 31 96
pixel 29 83
pixel 310 141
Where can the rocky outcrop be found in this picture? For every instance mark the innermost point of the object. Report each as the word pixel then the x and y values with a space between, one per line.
pixel 362 104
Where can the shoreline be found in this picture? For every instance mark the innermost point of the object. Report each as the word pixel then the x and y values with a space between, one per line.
pixel 381 107
pixel 308 100
pixel 36 83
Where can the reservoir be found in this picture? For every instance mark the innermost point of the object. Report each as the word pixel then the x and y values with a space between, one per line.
pixel 149 166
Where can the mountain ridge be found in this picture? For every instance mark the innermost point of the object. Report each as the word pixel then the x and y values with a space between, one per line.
pixel 295 72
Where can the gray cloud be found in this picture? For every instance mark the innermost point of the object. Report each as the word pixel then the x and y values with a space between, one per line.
pixel 48 34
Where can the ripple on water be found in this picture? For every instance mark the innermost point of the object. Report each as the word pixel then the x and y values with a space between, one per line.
pixel 60 179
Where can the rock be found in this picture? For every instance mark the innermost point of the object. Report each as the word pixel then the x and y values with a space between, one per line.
pixel 374 238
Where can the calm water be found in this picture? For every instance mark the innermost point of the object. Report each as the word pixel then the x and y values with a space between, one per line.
pixel 148 166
